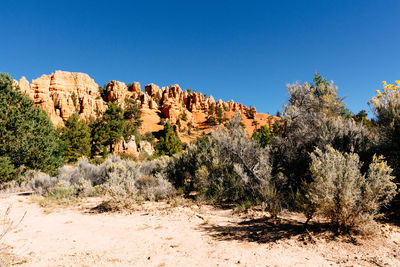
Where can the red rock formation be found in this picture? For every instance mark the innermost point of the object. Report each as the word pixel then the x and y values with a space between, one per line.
pixel 62 94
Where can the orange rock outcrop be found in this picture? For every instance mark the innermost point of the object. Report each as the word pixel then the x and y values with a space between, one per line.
pixel 62 94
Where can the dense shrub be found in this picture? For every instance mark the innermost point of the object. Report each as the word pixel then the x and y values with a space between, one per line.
pixel 123 181
pixel 340 192
pixel 27 136
pixel 315 117
pixel 263 136
pixel 386 106
pixel 6 169
pixel 224 166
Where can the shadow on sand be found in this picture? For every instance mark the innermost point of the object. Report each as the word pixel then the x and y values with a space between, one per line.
pixel 266 230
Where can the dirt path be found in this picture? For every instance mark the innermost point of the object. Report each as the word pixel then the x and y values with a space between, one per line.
pixel 180 236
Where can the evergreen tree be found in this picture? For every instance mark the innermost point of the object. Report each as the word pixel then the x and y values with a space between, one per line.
pixel 132 118
pixel 169 143
pixel 220 115
pixel 263 136
pixel 76 138
pixel 132 112
pixel 113 123
pixel 98 135
pixel 27 136
pixel 6 169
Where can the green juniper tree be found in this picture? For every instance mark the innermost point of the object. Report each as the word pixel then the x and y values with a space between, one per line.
pixel 132 118
pixel 6 169
pixel 76 138
pixel 27 136
pixel 113 123
pixel 169 143
pixel 263 136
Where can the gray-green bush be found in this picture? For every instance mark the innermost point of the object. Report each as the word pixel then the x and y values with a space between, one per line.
pixel 315 117
pixel 340 192
pixel 225 166
pixel 119 179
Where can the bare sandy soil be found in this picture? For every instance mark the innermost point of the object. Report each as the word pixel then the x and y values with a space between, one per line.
pixel 158 234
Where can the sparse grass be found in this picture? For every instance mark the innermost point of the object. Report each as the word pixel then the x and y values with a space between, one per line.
pixel 7 225
pixel 244 206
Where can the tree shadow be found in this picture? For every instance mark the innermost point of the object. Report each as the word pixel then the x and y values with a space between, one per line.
pixel 392 213
pixel 267 230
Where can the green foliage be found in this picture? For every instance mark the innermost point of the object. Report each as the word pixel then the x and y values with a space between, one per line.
pixel 106 131
pixel 27 136
pixel 76 137
pixel 263 136
pixel 314 118
pixel 386 107
pixel 6 169
pixel 74 100
pixel 340 192
pixel 211 115
pixel 103 91
pixel 250 113
pixel 220 115
pixel 132 112
pixel 169 143
pixel 98 137
pixel 113 123
pixel 184 116
pixel 224 166
pixel 361 117
pixel 162 121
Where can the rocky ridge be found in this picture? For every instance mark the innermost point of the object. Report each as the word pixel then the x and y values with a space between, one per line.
pixel 62 94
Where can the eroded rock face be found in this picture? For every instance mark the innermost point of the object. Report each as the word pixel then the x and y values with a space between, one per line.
pixel 62 94
pixel 131 148
pixel 127 147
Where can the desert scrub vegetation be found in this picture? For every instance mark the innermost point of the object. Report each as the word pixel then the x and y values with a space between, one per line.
pixel 340 192
pixel 122 182
pixel 319 158
pixel 314 118
pixel 386 107
pixel 223 167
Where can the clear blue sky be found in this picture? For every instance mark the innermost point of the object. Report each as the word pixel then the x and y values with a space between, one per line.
pixel 242 50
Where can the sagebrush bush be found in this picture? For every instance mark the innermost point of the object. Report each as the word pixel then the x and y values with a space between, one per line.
pixel 386 106
pixel 123 181
pixel 340 192
pixel 315 117
pixel 225 166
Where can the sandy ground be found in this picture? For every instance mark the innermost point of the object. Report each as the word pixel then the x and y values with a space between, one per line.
pixel 160 235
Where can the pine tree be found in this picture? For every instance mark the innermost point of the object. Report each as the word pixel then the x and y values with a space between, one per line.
pixel 27 136
pixel 113 123
pixel 132 118
pixel 76 138
pixel 98 135
pixel 169 143
pixel 6 169
pixel 263 136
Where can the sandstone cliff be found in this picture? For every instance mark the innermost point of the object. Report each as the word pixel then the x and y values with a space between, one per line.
pixel 62 94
